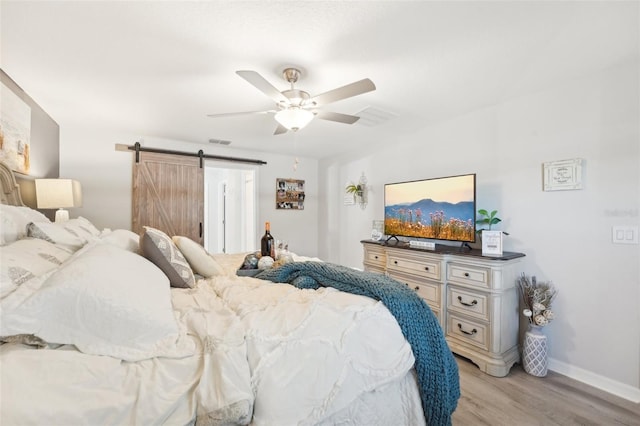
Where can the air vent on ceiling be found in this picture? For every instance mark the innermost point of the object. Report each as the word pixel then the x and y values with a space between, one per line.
pixel 371 116
pixel 220 141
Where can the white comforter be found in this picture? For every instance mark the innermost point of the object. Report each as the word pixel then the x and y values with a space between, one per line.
pixel 66 387
pixel 312 353
pixel 264 353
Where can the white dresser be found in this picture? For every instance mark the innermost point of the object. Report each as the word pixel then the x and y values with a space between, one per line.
pixel 474 297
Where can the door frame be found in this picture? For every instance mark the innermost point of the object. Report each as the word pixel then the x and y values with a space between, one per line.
pixel 250 243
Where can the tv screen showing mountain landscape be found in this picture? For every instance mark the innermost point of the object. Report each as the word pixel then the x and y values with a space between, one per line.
pixel 441 209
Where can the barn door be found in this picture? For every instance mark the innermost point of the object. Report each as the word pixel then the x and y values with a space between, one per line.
pixel 168 194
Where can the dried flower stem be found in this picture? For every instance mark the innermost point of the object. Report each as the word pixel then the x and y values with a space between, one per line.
pixel 537 298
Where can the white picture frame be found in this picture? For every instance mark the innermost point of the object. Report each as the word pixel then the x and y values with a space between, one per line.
pixel 492 243
pixel 562 175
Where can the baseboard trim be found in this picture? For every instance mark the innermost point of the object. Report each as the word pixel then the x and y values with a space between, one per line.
pixel 603 383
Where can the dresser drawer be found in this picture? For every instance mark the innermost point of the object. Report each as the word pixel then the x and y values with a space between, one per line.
pixel 430 292
pixel 422 267
pixel 376 269
pixel 470 275
pixel 468 302
pixel 375 256
pixel 467 330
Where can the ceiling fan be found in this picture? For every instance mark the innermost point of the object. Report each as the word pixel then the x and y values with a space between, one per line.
pixel 296 108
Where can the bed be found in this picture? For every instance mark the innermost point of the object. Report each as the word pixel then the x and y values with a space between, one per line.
pixel 110 327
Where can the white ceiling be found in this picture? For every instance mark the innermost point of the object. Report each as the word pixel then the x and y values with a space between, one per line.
pixel 156 69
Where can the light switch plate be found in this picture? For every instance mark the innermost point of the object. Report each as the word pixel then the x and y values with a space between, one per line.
pixel 624 234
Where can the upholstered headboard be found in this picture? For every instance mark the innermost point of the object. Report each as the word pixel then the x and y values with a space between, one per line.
pixel 10 190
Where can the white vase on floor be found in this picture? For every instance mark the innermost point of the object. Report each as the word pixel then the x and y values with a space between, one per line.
pixel 534 352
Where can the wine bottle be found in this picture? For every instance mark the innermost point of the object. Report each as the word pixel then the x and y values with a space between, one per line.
pixel 267 245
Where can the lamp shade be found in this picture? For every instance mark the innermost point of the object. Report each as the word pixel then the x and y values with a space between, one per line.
pixel 58 194
pixel 294 118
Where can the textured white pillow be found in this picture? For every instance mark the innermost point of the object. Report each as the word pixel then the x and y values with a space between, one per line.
pixel 105 301
pixel 26 259
pixel 57 233
pixel 14 221
pixel 199 259
pixel 82 227
pixel 122 238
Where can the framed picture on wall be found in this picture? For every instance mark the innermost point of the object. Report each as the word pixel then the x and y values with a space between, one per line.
pixel 289 194
pixel 562 175
pixel 15 131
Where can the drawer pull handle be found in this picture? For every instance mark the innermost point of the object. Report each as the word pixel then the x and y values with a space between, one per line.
pixel 395 262
pixel 474 302
pixel 426 268
pixel 417 288
pixel 375 257
pixel 466 274
pixel 470 333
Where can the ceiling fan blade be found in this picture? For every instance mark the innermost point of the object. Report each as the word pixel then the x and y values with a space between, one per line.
pixel 336 116
pixel 234 114
pixel 263 85
pixel 280 130
pixel 353 89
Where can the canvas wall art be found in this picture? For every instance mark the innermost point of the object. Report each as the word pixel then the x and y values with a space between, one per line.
pixel 15 130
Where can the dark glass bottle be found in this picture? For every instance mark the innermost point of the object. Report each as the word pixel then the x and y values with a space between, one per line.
pixel 267 244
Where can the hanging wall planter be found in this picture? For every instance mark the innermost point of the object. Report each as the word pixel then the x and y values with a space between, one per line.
pixel 359 191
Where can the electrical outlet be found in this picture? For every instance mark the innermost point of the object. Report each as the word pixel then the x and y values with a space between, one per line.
pixel 624 234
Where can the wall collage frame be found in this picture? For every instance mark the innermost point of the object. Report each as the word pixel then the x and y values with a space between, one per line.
pixel 289 194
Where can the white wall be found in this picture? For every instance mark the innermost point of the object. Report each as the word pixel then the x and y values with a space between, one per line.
pixel 566 235
pixel 88 154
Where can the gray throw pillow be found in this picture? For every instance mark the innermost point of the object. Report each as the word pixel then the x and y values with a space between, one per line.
pixel 157 246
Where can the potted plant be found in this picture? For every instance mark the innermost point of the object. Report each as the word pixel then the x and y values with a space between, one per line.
pixel 491 240
pixel 537 298
pixel 358 190
pixel 489 219
pixel 355 189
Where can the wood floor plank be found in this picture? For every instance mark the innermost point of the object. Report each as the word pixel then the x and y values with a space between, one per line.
pixel 524 400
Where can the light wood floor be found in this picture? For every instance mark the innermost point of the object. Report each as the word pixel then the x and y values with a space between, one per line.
pixel 522 400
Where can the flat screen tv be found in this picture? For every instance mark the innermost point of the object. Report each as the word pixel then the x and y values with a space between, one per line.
pixel 440 209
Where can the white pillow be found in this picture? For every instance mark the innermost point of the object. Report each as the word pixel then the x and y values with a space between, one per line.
pixel 199 259
pixel 14 221
pixel 122 238
pixel 105 301
pixel 66 237
pixel 26 259
pixel 81 226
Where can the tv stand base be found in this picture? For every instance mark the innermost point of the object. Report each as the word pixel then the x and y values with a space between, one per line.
pixel 465 246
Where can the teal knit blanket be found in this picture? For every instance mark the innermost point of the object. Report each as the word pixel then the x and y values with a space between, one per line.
pixel 436 368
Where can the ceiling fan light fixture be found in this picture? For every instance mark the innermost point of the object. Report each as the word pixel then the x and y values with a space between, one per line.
pixel 294 118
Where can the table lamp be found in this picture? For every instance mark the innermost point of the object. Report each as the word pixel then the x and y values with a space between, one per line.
pixel 58 194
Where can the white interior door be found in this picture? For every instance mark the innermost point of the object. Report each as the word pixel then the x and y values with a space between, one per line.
pixel 231 208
